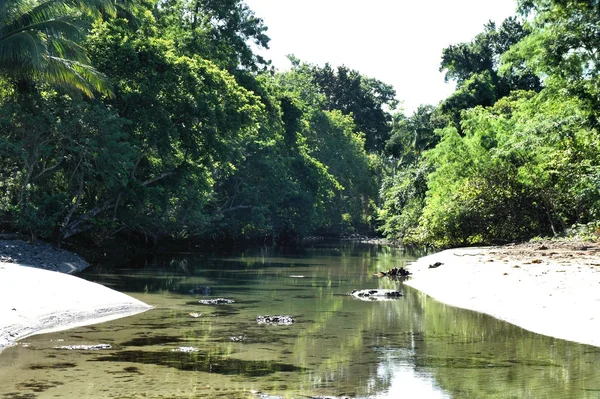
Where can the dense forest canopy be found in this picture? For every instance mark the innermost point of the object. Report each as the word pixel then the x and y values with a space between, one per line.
pixel 157 119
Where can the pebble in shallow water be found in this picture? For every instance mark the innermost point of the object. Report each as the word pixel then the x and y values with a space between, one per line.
pixel 185 349
pixel 376 295
pixel 283 320
pixel 216 301
pixel 85 347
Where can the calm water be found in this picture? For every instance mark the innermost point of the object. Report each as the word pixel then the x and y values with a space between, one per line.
pixel 339 346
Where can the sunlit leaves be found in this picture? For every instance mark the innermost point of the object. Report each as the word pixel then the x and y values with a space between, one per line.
pixel 39 40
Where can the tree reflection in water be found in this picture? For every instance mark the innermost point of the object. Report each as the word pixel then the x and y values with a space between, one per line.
pixel 338 345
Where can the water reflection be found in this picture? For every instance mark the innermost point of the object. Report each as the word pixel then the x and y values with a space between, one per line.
pixel 339 346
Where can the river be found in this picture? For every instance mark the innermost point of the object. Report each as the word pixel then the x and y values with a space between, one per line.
pixel 338 346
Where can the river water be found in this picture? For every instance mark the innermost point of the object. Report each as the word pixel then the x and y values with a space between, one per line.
pixel 339 346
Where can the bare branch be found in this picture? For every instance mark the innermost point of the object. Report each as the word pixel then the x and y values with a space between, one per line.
pixel 46 170
pixel 157 178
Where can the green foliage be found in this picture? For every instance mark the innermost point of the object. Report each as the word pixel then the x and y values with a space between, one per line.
pixel 218 30
pixel 335 143
pixel 514 160
pixel 368 101
pixel 193 144
pixel 403 195
pixel 563 47
pixel 527 166
pixel 199 140
pixel 57 158
pixel 473 197
pixel 190 121
pixel 414 135
pixel 404 184
pixel 40 41
pixel 475 67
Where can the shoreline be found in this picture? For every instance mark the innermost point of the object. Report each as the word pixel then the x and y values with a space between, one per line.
pixel 38 295
pixel 549 288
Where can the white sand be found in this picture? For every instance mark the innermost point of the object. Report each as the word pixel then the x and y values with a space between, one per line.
pixel 34 301
pixel 558 296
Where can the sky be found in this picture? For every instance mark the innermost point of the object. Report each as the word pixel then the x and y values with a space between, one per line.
pixel 399 42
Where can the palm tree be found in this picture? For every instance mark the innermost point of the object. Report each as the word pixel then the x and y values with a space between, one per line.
pixel 39 41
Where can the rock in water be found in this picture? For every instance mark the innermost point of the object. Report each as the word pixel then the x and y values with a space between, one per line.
pixel 376 295
pixel 281 320
pixel 394 273
pixel 85 347
pixel 185 349
pixel 216 301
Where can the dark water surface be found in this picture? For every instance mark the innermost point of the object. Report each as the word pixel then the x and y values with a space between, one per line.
pixel 410 347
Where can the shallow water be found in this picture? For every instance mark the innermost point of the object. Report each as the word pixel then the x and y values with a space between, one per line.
pixel 339 346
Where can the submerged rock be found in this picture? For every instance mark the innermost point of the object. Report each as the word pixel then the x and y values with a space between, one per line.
pixel 84 347
pixel 200 290
pixel 282 320
pixel 331 397
pixel 262 395
pixel 376 295
pixel 216 301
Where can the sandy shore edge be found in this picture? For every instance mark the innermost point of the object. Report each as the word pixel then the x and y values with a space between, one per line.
pixel 35 301
pixel 549 292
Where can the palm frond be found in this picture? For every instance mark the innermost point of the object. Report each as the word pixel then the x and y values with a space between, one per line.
pixel 76 75
pixel 38 39
pixel 63 27
pixel 52 8
pixel 9 10
pixel 23 50
pixel 68 49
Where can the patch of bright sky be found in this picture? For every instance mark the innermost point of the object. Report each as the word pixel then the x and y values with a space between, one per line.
pixel 399 42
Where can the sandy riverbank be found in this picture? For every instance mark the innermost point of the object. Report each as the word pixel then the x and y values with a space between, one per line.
pixel 35 301
pixel 550 288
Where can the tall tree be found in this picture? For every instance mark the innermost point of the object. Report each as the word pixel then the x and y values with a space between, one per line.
pixel 476 68
pixel 368 100
pixel 413 135
pixel 222 31
pixel 564 46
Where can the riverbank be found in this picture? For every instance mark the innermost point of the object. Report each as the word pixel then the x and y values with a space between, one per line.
pixel 41 255
pixel 35 301
pixel 550 288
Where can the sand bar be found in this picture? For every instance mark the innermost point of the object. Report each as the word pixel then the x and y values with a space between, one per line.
pixel 35 301
pixel 550 288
